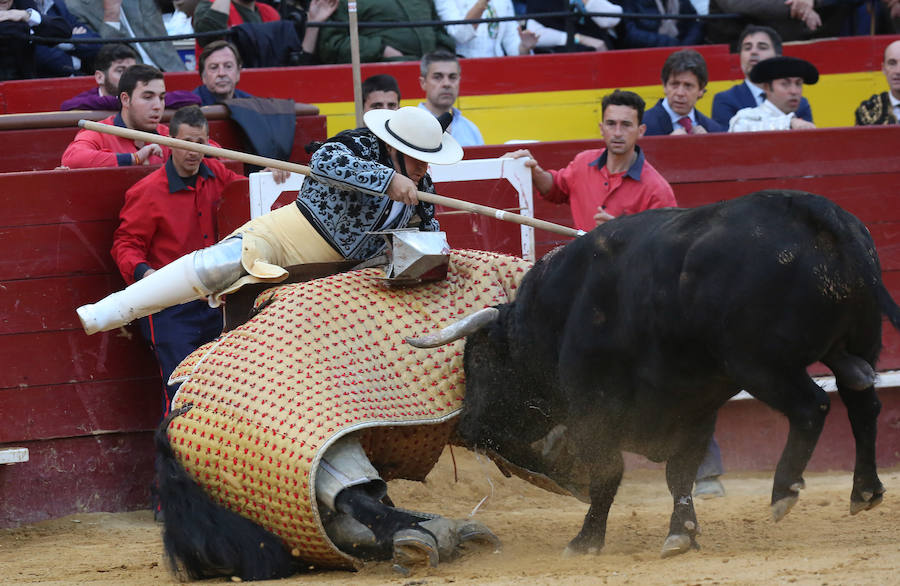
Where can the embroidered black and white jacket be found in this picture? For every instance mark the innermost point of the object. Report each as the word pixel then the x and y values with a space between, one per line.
pixel 344 216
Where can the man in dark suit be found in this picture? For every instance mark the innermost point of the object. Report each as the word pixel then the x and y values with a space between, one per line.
pixel 684 78
pixel 756 43
pixel 884 108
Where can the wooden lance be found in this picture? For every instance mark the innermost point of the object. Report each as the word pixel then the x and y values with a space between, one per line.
pixel 354 60
pixel 212 151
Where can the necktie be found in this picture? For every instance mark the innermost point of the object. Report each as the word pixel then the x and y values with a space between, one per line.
pixel 685 122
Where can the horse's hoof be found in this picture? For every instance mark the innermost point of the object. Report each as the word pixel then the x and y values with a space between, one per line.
pixel 414 547
pixel 782 507
pixel 675 544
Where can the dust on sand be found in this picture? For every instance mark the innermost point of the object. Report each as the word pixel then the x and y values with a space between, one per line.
pixel 817 543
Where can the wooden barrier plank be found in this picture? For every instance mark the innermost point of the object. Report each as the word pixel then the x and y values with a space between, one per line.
pixel 729 157
pixel 42 149
pixel 57 249
pixel 71 356
pixel 65 196
pixel 37 305
pixel 80 409
pixel 78 475
pixel 871 197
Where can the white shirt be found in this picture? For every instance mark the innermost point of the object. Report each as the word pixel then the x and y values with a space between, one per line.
pixel 765 117
pixel 490 39
pixel 895 104
pixel 551 37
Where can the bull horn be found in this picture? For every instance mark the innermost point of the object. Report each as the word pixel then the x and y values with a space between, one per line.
pixel 459 329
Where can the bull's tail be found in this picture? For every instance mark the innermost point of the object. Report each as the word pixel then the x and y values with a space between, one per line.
pixel 205 540
pixel 888 306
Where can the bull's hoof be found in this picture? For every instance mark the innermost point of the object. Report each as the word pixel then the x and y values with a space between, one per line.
pixel 677 544
pixel 782 507
pixel 866 500
pixel 583 545
pixel 571 552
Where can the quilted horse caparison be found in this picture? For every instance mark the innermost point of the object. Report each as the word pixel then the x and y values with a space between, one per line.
pixel 323 359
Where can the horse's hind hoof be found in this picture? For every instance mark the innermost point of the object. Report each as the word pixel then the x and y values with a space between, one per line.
pixel 675 545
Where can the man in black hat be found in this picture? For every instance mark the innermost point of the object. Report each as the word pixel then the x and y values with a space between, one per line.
pixel 782 79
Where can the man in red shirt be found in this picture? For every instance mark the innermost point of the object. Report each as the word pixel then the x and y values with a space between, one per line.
pixel 601 184
pixel 142 93
pixel 167 214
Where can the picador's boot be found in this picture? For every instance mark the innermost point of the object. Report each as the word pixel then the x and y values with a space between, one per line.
pixel 193 276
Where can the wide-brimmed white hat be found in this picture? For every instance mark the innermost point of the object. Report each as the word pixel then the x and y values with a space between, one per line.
pixel 415 132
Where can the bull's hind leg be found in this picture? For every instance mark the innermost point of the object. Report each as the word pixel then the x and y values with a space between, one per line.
pixel 606 475
pixel 805 404
pixel 863 408
pixel 856 384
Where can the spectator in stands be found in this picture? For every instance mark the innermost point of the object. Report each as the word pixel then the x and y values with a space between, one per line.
pixel 19 19
pixel 486 39
pixel 795 20
pixel 385 44
pixel 123 19
pixel 180 20
pixel 782 79
pixel 223 14
pixel 380 92
pixel 109 65
pixel 167 214
pixel 65 59
pixel 142 93
pixel 884 108
pixel 756 44
pixel 601 184
pixel 591 34
pixel 439 78
pixel 684 78
pixel 220 71
pixel 645 32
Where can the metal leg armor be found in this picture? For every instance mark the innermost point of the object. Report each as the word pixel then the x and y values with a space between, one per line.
pixel 193 276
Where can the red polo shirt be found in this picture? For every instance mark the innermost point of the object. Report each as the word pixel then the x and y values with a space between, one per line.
pixel 163 218
pixel 586 184
pixel 92 149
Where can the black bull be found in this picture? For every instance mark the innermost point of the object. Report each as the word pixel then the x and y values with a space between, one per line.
pixel 631 337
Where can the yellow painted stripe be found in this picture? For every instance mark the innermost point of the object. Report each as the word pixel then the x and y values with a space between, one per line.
pixel 575 114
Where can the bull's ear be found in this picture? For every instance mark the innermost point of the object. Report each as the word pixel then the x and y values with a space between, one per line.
pixel 459 329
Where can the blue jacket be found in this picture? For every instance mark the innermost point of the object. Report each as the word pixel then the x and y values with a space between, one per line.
pixel 208 99
pixel 727 103
pixel 659 122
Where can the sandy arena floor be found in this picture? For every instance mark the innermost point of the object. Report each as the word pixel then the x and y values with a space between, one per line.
pixel 817 543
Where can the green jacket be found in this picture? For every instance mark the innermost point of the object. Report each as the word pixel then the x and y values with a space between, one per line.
pixel 334 43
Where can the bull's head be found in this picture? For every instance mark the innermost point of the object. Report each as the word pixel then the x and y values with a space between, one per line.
pixel 502 415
